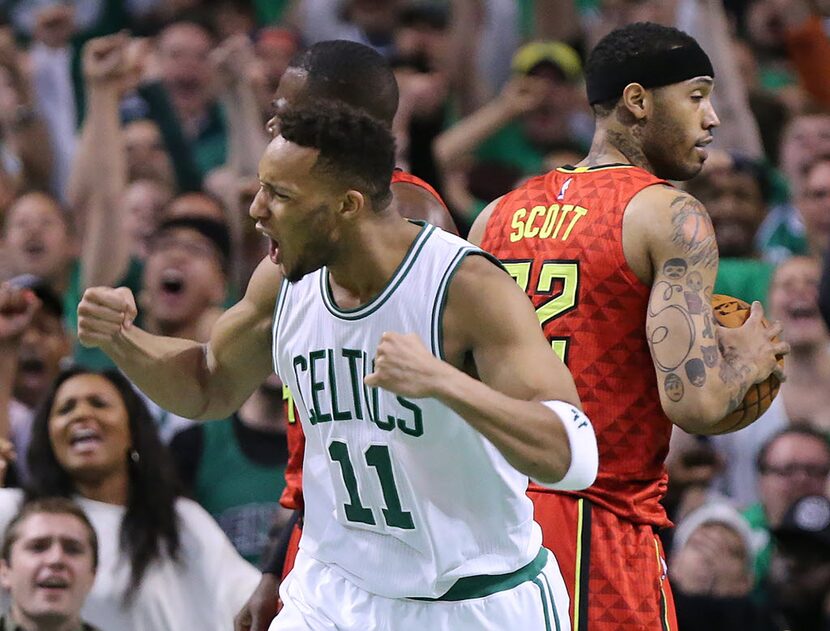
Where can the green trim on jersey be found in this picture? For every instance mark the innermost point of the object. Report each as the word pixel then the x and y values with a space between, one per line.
pixel 542 595
pixel 552 601
pixel 441 302
pixel 279 303
pixel 443 292
pixel 377 302
pixel 488 584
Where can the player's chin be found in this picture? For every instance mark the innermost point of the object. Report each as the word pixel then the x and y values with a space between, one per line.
pixel 688 169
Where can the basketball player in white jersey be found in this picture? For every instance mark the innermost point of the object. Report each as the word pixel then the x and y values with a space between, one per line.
pixel 427 393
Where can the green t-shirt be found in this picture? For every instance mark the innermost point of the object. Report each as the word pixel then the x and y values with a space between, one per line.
pixel 269 11
pixel 758 522
pixel 747 279
pixel 210 149
pixel 92 358
pixel 782 234
pixel 510 146
pixel 240 494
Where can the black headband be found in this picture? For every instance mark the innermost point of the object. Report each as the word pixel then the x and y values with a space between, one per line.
pixel 650 70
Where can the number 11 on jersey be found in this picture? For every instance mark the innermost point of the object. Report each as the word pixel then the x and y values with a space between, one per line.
pixel 377 457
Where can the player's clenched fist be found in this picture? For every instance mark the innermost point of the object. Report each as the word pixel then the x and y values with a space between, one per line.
pixel 403 365
pixel 104 314
pixel 17 308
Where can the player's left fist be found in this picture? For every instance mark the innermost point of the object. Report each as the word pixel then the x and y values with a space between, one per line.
pixel 403 365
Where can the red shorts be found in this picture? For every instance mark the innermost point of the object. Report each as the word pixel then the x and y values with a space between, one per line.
pixel 293 548
pixel 614 569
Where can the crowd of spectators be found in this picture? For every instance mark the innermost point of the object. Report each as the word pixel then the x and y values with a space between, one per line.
pixel 130 132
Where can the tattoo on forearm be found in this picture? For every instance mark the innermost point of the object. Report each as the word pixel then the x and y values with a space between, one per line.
pixel 708 332
pixel 675 268
pixel 710 355
pixel 673 385
pixel 696 372
pixel 670 329
pixel 736 377
pixel 693 232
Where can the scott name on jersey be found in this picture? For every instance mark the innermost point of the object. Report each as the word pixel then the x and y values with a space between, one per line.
pixel 332 389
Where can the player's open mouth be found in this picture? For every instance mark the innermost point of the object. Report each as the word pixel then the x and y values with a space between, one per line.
pixel 274 251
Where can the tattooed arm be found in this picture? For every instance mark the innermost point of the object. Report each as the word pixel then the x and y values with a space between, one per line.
pixel 703 370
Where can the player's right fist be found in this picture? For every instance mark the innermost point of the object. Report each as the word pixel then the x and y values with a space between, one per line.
pixel 104 314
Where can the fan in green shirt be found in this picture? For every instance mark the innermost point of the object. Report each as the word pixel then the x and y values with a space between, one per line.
pixel 734 191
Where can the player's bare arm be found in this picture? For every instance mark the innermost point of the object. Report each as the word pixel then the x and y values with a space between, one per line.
pixel 703 370
pixel 414 202
pixel 491 331
pixel 193 380
pixel 477 229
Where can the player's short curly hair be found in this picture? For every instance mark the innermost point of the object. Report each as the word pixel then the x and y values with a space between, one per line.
pixel 626 43
pixel 351 73
pixel 355 148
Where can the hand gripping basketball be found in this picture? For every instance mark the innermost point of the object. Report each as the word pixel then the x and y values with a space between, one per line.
pixel 732 312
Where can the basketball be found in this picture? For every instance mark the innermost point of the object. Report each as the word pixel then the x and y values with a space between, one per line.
pixel 732 313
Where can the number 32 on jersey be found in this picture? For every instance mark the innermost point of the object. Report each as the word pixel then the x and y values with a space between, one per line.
pixel 558 281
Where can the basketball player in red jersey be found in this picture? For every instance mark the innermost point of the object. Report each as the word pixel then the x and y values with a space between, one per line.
pixel 620 266
pixel 360 77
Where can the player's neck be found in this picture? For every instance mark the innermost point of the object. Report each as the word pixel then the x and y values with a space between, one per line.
pixel 368 259
pixel 614 144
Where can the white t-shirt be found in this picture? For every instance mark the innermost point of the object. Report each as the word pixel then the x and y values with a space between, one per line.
pixel 203 591
pixel 21 418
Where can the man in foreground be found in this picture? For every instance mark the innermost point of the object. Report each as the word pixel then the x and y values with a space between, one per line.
pixel 382 329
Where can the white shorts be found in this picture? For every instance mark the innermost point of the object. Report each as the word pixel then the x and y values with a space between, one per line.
pixel 316 598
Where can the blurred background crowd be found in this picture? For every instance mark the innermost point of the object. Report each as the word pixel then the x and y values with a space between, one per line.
pixel 130 132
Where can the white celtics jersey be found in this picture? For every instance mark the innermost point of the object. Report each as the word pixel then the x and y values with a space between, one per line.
pixel 402 496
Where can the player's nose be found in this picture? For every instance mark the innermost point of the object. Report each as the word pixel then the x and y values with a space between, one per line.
pixel 710 118
pixel 258 208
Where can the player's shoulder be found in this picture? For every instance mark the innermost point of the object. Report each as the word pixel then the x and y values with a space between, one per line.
pixel 666 221
pixel 415 199
pixel 479 227
pixel 264 287
pixel 479 276
pixel 660 193
pixel 655 207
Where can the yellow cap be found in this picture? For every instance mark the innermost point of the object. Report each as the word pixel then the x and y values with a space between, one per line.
pixel 557 53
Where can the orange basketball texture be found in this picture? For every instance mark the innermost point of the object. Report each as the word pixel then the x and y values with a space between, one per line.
pixel 732 313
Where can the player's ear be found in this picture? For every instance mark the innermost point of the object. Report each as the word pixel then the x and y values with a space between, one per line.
pixel 352 203
pixel 637 100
